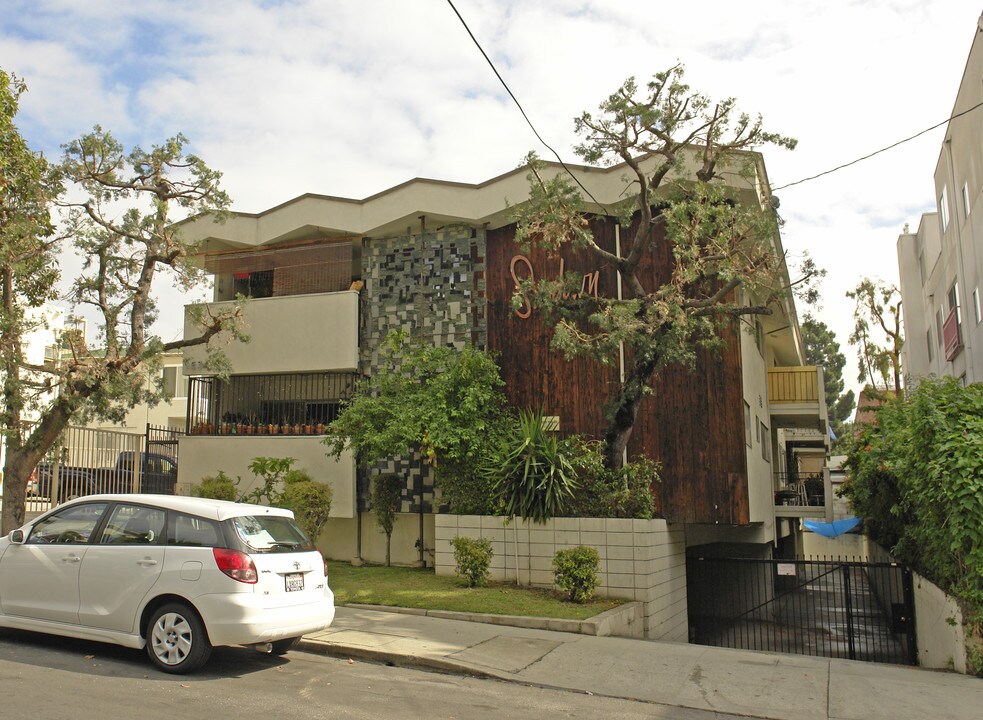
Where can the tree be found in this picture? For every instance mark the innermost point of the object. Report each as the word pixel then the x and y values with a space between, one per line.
pixel 124 230
pixel 879 305
pixel 444 403
pixel 822 349
pixel 387 491
pixel 722 263
pixel 28 276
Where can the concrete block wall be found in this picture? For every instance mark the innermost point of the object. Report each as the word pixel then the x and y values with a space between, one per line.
pixel 641 560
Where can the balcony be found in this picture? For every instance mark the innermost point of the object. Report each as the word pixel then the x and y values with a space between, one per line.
pixel 952 337
pixel 254 405
pixel 802 495
pixel 295 333
pixel 797 397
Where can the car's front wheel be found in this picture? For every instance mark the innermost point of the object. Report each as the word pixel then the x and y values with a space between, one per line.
pixel 176 639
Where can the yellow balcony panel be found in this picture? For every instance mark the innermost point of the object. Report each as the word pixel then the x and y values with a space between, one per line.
pixel 793 385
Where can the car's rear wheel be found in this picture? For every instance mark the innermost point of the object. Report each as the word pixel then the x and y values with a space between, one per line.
pixel 280 647
pixel 176 639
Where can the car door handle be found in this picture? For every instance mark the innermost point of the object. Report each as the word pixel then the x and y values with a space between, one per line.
pixel 147 562
pixel 71 558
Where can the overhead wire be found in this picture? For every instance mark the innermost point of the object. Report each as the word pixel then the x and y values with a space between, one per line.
pixel 878 152
pixel 775 189
pixel 519 105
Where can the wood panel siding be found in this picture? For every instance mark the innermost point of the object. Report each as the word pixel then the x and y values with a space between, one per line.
pixel 693 423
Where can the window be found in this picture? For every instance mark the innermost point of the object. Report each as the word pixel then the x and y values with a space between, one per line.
pixel 931 350
pixel 191 531
pixel 747 424
pixel 976 306
pixel 952 297
pixel 944 208
pixel 133 525
pixel 759 337
pixel 965 200
pixel 765 443
pixel 174 382
pixel 938 324
pixel 71 526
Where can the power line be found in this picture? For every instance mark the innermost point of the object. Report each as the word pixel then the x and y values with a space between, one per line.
pixel 519 105
pixel 878 152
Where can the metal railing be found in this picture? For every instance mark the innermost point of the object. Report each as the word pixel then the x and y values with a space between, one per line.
pixel 799 488
pixel 284 404
pixel 829 608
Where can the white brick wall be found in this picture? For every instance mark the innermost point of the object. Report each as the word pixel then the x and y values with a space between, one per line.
pixel 643 560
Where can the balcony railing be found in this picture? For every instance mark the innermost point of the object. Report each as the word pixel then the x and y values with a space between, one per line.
pixel 952 334
pixel 800 489
pixel 793 385
pixel 284 404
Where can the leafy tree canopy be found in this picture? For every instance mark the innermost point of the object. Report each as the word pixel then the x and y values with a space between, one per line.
pixel 123 227
pixel 444 403
pixel 719 240
pixel 877 314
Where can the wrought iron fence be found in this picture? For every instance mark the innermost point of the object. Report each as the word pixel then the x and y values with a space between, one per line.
pixel 288 404
pixel 85 461
pixel 830 608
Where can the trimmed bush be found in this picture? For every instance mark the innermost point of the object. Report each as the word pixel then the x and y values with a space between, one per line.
pixel 575 571
pixel 217 487
pixel 473 558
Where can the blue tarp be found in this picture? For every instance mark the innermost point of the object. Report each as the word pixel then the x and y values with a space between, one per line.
pixel 833 529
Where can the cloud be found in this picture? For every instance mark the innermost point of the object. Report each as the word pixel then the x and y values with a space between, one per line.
pixel 350 98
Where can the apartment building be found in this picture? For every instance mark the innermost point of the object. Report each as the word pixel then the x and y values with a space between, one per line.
pixel 941 263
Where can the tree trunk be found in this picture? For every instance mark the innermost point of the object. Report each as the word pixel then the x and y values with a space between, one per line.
pixel 625 412
pixel 389 537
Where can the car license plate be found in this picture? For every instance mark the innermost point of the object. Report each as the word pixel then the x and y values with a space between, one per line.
pixel 295 581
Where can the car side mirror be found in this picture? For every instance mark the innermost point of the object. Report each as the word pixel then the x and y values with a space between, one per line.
pixel 17 537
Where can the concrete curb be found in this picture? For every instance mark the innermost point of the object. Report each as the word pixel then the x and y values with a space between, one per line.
pixel 621 621
pixel 323 647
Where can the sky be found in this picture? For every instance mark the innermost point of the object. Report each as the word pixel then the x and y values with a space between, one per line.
pixel 351 97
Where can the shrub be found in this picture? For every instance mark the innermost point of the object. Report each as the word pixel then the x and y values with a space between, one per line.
pixel 623 493
pixel 473 558
pixel 534 473
pixel 217 487
pixel 575 571
pixel 310 501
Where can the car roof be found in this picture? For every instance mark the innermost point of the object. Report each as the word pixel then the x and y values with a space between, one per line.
pixel 203 507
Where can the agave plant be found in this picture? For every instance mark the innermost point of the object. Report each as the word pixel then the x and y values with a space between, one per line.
pixel 534 473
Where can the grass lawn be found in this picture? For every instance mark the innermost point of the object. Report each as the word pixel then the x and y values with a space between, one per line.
pixel 422 588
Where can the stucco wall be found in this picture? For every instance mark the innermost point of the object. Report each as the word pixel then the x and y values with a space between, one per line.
pixel 339 541
pixel 297 333
pixel 202 456
pixel 643 560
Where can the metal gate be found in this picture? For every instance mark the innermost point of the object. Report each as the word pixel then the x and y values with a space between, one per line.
pixel 829 608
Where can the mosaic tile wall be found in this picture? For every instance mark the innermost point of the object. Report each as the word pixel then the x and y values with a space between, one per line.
pixel 432 286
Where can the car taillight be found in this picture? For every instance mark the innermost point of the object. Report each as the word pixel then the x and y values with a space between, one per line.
pixel 237 565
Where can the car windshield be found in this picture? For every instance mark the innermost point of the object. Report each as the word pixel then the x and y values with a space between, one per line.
pixel 266 533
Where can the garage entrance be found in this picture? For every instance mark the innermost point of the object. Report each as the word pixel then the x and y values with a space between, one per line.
pixel 829 608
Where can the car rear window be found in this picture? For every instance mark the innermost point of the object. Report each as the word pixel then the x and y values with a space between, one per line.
pixel 266 533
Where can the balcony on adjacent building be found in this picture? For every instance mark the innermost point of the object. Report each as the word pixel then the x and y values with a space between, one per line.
pixel 802 494
pixel 952 337
pixel 797 397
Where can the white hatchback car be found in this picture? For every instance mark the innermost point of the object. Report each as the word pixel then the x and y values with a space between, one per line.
pixel 177 575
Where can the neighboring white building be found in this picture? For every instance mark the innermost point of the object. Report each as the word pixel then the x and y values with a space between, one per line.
pixel 941 263
pixel 38 347
pixel 170 413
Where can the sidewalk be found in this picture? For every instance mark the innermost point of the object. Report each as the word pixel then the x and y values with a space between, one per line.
pixel 785 687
